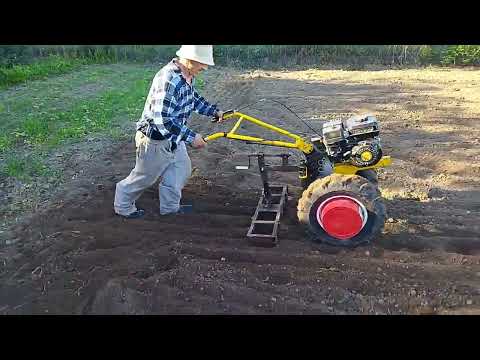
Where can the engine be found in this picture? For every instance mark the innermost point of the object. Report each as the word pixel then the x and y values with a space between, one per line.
pixel 354 140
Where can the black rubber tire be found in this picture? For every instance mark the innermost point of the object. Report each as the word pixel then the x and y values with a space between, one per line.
pixel 352 185
pixel 370 175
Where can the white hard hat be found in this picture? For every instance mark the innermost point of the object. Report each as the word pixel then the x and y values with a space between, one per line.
pixel 201 53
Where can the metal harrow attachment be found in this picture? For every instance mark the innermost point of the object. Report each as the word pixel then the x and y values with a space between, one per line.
pixel 265 223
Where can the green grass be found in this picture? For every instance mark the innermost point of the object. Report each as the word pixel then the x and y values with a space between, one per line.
pixel 49 126
pixel 50 113
pixel 63 92
pixel 26 167
pixel 41 98
pixel 244 55
pixel 89 117
pixel 6 142
pixel 24 54
pixel 53 65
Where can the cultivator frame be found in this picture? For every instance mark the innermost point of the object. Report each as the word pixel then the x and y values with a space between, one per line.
pixel 265 223
pixel 263 230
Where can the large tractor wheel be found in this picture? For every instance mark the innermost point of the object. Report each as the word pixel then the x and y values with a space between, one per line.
pixel 342 210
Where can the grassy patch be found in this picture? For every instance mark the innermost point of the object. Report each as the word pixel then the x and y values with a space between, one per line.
pixel 53 65
pixel 48 129
pixel 62 93
pixel 5 142
pixel 55 112
pixel 90 116
pixel 25 167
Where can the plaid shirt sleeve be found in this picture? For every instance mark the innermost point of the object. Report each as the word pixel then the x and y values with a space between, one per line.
pixel 164 102
pixel 202 106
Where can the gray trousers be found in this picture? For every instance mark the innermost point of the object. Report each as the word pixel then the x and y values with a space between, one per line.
pixel 154 159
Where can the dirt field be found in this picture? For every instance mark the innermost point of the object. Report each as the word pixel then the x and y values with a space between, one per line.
pixel 76 257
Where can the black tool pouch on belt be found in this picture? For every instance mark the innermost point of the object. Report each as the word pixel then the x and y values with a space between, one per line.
pixel 154 134
pixel 151 131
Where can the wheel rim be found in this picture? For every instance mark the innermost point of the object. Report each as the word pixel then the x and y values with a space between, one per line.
pixel 342 217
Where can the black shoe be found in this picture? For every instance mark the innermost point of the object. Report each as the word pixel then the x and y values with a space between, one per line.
pixel 185 209
pixel 136 214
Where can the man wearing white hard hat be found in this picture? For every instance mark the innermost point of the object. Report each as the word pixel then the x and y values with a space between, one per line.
pixel 163 133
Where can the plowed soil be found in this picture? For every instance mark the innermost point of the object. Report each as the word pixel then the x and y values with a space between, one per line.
pixel 77 257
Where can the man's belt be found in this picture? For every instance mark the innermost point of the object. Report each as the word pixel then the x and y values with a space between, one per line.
pixel 152 133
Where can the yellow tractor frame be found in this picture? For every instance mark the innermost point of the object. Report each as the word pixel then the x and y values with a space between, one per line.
pixel 301 144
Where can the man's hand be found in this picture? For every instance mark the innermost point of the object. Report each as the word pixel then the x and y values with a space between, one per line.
pixel 219 116
pixel 198 142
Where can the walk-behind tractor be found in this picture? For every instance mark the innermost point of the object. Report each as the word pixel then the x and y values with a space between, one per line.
pixel 341 204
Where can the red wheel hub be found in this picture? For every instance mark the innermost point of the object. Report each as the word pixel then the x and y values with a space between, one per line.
pixel 342 217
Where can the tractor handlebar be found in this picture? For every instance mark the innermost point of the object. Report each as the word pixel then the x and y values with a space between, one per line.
pixel 216 118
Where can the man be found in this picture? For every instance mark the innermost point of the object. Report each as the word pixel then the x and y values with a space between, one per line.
pixel 162 134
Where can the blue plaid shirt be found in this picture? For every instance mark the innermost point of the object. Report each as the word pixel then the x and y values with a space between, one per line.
pixel 170 103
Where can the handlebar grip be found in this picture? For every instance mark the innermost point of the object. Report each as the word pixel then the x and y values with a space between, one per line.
pixel 216 118
pixel 214 136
